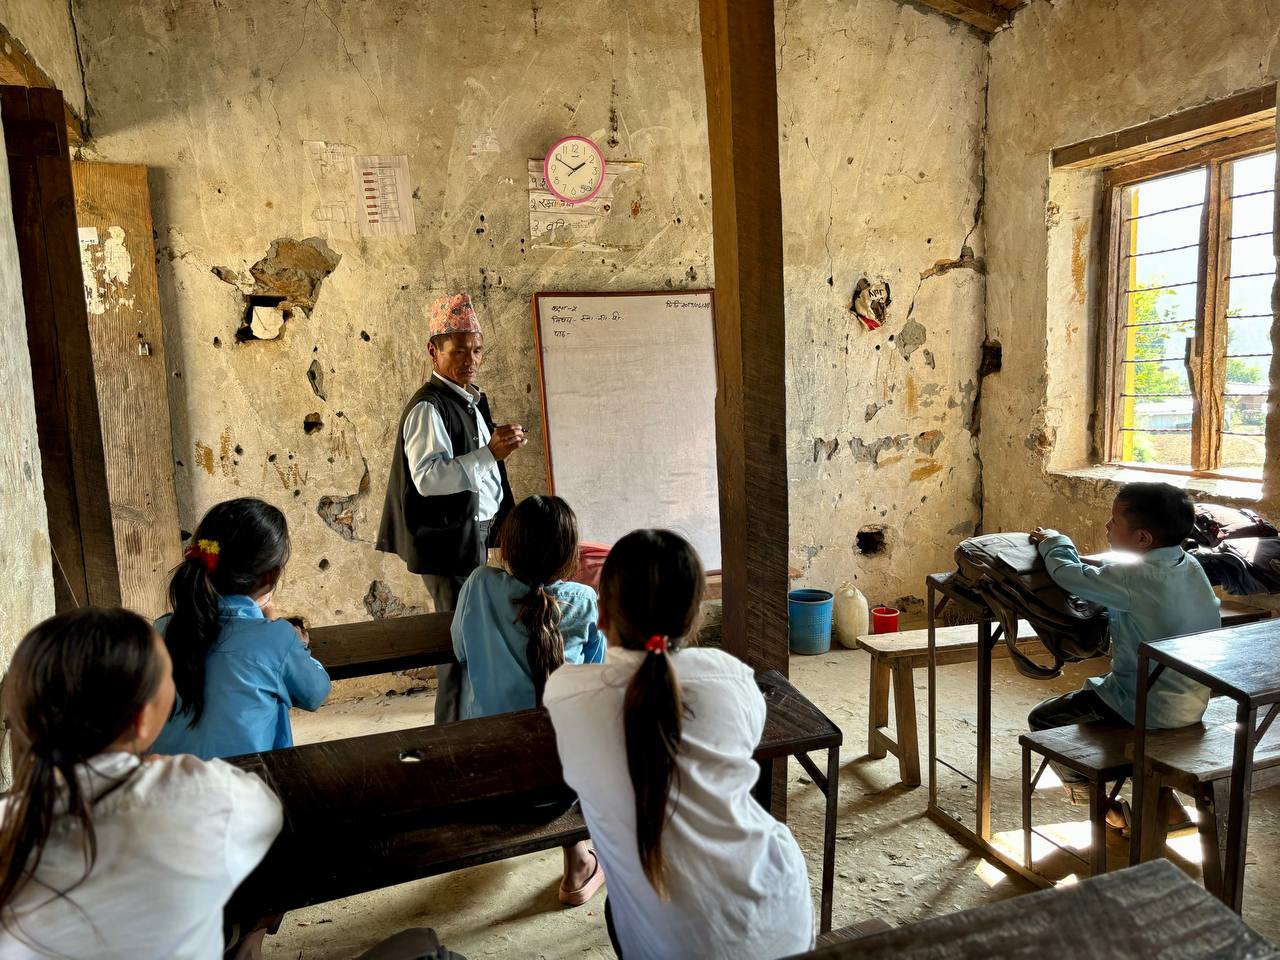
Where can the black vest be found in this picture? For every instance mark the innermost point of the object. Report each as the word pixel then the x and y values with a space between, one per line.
pixel 438 535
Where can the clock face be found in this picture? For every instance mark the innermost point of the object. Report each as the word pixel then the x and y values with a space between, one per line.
pixel 574 168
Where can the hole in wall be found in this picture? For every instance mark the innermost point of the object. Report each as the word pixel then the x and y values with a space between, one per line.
pixel 311 423
pixel 324 563
pixel 992 358
pixel 871 541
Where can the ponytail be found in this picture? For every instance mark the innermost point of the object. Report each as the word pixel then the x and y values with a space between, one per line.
pixel 650 596
pixel 539 614
pixel 238 548
pixel 539 543
pixel 652 720
pixel 76 683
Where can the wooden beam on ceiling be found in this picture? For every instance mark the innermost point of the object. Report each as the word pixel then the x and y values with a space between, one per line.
pixel 986 15
pixel 18 69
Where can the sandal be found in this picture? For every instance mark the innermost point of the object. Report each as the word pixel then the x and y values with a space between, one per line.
pixel 576 898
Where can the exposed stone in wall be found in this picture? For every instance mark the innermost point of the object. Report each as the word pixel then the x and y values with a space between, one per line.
pixel 381 602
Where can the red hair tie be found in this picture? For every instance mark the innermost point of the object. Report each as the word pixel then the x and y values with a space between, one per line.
pixel 656 644
pixel 206 551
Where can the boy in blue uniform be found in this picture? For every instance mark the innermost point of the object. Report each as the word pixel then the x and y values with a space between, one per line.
pixel 1163 594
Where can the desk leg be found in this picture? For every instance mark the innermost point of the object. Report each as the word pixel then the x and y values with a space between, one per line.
pixel 829 837
pixel 983 812
pixel 933 700
pixel 1140 785
pixel 1238 818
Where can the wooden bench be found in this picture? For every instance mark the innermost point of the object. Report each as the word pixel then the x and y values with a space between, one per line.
pixel 1195 760
pixel 894 657
pixel 424 640
pixel 1198 761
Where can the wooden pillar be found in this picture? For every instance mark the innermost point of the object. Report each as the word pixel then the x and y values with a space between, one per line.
pixel 751 406
pixel 71 457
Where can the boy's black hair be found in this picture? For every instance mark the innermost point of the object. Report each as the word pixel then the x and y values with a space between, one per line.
pixel 1161 509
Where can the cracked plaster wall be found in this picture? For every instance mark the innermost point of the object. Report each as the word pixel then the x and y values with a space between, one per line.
pixel 217 99
pixel 1066 71
pixel 45 31
pixel 881 113
pixel 26 590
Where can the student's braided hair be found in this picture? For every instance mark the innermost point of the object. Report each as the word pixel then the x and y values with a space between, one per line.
pixel 539 543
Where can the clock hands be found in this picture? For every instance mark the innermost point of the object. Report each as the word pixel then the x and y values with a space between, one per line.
pixel 571 169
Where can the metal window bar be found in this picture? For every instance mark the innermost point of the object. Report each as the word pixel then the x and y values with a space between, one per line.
pixel 1242 356
pixel 1255 193
pixel 1152 430
pixel 1248 316
pixel 1246 276
pixel 1143 216
pixel 1156 396
pixel 1168 323
pixel 1152 253
pixel 1167 286
pixel 1162 360
pixel 1248 236
pixel 1236 433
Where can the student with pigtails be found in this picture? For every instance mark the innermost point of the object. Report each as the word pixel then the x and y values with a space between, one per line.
pixel 236 667
pixel 658 744
pixel 516 624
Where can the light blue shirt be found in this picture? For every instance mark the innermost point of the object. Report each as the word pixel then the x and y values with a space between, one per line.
pixel 1162 594
pixel 489 642
pixel 255 672
pixel 434 468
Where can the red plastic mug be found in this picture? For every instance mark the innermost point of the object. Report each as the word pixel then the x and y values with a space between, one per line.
pixel 884 620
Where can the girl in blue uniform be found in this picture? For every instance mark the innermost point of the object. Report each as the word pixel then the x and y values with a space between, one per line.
pixel 237 669
pixel 514 626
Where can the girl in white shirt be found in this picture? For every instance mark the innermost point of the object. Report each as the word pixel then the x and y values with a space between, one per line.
pixel 658 744
pixel 101 854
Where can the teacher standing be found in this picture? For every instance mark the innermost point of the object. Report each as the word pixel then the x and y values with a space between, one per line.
pixel 448 489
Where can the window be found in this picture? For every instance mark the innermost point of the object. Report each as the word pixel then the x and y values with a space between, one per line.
pixel 1190 272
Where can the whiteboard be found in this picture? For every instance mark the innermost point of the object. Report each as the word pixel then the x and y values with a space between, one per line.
pixel 628 396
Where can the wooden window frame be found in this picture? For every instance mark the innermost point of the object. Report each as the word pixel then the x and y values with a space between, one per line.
pixel 1206 367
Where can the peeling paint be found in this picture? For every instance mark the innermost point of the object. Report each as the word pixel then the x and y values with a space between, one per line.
pixel 911 338
pixel 1079 258
pixel 929 441
pixel 382 603
pixel 927 469
pixel 864 452
pixel 829 447
pixel 204 457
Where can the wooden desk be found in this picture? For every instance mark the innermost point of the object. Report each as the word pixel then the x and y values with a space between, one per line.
pixel 369 812
pixel 1236 662
pixel 380 646
pixel 989 635
pixel 1149 911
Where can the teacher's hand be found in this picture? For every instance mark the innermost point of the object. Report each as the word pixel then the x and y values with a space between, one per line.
pixel 506 440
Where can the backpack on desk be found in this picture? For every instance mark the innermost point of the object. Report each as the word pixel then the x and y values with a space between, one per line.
pixel 1006 571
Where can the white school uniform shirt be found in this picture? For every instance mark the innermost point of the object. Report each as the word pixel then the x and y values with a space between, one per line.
pixel 736 878
pixel 434 468
pixel 174 841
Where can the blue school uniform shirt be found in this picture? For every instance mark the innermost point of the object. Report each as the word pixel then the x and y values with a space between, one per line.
pixel 1163 594
pixel 256 671
pixel 489 642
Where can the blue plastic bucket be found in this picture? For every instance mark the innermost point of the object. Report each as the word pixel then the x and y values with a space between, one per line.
pixel 809 621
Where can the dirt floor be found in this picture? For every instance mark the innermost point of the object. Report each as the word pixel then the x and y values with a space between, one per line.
pixel 891 860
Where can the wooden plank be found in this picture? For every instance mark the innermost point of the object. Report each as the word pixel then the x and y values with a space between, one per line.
pixel 912 642
pixel 380 646
pixel 986 15
pixel 125 330
pixel 1238 662
pixel 18 69
pixel 751 404
pixel 367 812
pixel 67 418
pixel 1135 907
pixel 1242 113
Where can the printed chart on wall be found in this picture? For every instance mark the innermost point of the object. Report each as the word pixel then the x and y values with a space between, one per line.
pixel 628 394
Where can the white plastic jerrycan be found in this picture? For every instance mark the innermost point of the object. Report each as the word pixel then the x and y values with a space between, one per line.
pixel 852 618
